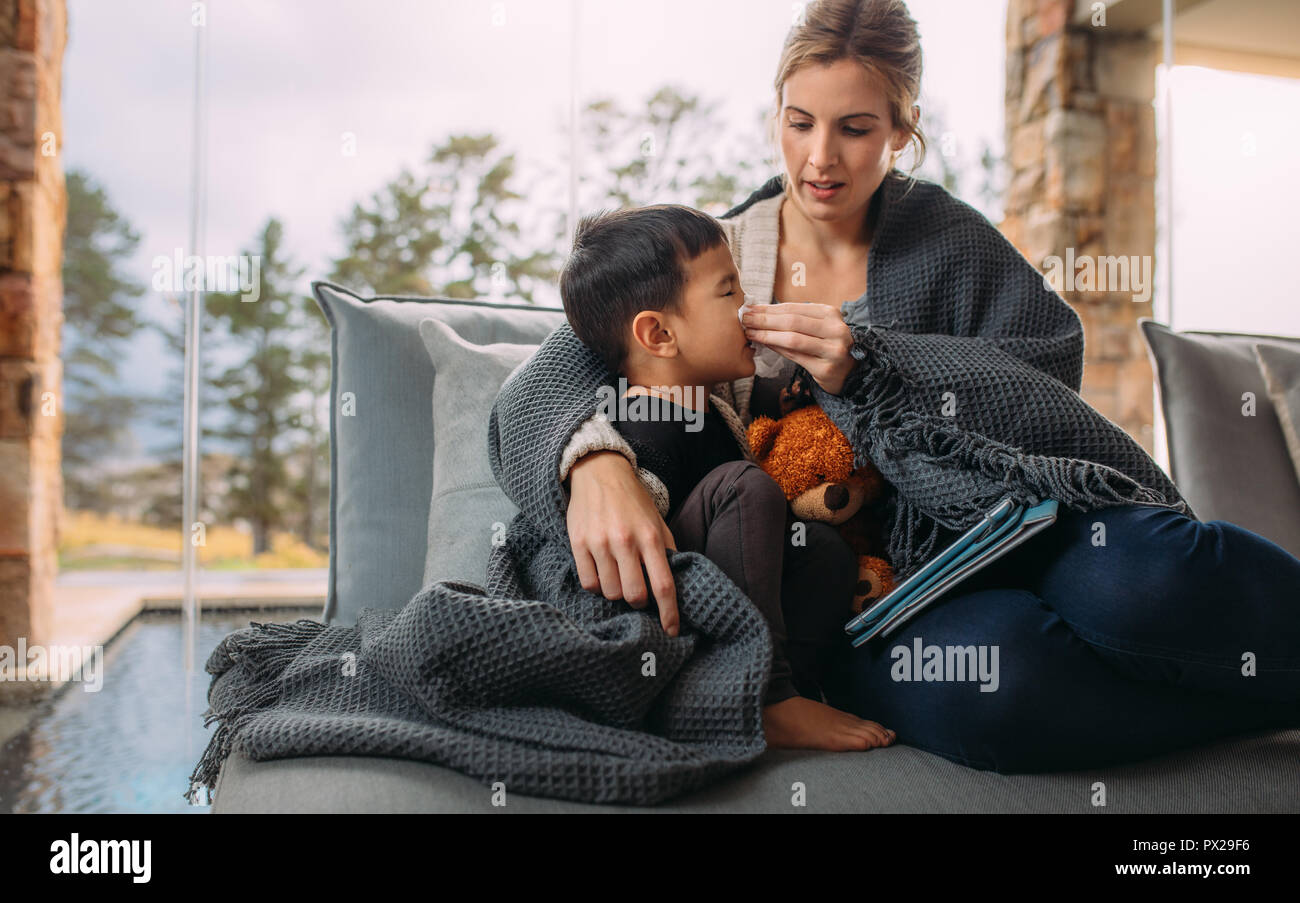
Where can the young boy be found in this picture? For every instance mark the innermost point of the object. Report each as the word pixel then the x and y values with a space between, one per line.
pixel 654 291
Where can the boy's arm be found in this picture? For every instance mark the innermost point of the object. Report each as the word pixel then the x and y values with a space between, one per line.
pixel 535 414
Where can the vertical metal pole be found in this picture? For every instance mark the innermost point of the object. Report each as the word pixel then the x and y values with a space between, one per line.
pixel 1160 438
pixel 575 7
pixel 190 435
pixel 1168 155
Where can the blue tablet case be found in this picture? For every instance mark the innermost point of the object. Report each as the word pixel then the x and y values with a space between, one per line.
pixel 1002 529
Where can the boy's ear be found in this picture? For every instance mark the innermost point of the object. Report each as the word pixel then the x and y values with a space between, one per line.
pixel 650 331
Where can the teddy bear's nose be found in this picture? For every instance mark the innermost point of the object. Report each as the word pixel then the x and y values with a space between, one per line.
pixel 837 496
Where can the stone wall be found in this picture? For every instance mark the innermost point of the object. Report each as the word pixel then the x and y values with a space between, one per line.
pixel 33 208
pixel 1082 149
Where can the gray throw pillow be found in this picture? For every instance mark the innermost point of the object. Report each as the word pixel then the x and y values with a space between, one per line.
pixel 467 509
pixel 1229 466
pixel 381 434
pixel 1281 370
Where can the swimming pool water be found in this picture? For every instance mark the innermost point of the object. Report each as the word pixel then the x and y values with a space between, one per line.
pixel 124 748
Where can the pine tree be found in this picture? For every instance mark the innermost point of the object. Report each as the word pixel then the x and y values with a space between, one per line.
pixel 262 393
pixel 100 320
pixel 451 230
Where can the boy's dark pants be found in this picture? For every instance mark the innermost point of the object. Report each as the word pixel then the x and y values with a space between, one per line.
pixel 738 518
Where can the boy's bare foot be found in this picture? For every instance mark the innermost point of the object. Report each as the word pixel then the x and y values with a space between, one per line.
pixel 801 723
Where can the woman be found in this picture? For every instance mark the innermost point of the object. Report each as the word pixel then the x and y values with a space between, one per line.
pixel 1129 627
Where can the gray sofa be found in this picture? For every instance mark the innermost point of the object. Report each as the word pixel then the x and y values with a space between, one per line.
pixel 413 500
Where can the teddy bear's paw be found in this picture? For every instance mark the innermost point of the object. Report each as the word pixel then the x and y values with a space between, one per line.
pixel 875 581
pixel 872 482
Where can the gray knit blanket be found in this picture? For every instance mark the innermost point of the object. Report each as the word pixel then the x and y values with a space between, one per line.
pixel 967 386
pixel 530 682
pixel 966 392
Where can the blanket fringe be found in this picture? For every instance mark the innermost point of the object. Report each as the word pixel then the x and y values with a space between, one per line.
pixel 258 656
pixel 892 430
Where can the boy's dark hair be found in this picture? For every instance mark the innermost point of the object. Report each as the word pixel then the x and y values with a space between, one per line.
pixel 627 261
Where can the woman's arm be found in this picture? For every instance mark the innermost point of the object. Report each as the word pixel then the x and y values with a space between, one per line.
pixel 609 519
pixel 917 397
pixel 595 434
pixel 1005 303
pixel 968 366
pixel 982 344
pixel 536 412
pixel 956 424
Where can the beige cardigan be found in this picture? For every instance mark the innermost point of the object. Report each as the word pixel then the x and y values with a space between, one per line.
pixel 753 237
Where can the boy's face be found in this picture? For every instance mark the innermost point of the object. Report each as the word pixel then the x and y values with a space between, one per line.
pixel 711 342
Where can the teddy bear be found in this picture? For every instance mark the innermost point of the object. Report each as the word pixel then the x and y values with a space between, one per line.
pixel 812 461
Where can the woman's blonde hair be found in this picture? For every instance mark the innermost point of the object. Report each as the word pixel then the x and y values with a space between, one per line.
pixel 881 35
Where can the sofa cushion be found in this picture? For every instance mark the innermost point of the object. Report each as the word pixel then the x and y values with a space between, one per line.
pixel 381 435
pixel 1228 465
pixel 1281 370
pixel 1246 773
pixel 467 509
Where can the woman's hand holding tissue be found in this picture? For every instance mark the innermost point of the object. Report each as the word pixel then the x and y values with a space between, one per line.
pixel 812 335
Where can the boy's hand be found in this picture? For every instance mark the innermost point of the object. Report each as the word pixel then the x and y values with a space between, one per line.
pixel 615 529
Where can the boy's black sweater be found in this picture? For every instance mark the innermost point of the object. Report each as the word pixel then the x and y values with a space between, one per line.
pixel 678 456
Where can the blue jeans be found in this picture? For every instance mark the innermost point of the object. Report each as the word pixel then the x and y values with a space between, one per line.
pixel 1161 633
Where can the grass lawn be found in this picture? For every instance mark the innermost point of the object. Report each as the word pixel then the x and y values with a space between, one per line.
pixel 91 541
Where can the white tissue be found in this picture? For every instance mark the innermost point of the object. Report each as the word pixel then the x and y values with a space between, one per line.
pixel 767 363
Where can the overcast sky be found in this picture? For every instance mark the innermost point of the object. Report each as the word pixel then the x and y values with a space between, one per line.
pixel 1235 196
pixel 288 77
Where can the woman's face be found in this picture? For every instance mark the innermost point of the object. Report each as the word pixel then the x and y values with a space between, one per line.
pixel 836 133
